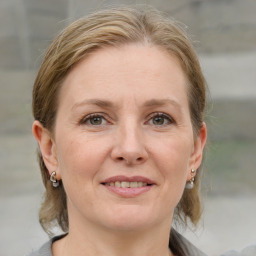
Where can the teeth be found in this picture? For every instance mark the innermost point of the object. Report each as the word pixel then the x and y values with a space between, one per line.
pixel 126 184
pixel 117 184
pixel 133 184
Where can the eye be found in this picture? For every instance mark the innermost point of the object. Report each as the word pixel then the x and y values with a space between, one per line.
pixel 94 120
pixel 160 119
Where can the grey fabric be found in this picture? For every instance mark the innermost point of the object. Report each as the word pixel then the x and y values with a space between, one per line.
pixel 189 249
pixel 180 246
pixel 45 250
pixel 248 251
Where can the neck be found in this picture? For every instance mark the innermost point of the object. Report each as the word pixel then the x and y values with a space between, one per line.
pixel 92 241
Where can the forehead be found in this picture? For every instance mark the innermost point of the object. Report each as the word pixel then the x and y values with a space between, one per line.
pixel 130 70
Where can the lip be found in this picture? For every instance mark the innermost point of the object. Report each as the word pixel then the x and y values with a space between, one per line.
pixel 128 192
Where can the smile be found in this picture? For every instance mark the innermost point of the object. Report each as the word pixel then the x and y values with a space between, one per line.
pixel 128 186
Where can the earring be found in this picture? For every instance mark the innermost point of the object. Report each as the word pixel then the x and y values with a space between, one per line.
pixel 53 179
pixel 190 183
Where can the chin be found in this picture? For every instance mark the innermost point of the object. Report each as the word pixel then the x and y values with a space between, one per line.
pixel 125 225
pixel 129 219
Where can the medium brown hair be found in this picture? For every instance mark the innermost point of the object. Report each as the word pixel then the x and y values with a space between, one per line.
pixel 112 27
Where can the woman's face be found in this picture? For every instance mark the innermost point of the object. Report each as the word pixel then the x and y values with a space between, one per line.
pixel 123 141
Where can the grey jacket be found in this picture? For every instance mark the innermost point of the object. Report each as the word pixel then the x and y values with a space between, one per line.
pixel 187 247
pixel 191 250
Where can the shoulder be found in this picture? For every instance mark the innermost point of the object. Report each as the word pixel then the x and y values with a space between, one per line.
pixel 190 249
pixel 182 247
pixel 248 251
pixel 46 249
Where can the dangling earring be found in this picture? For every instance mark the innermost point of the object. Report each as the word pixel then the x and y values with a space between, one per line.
pixel 53 179
pixel 190 183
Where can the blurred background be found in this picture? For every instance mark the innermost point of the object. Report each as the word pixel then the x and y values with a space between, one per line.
pixel 224 34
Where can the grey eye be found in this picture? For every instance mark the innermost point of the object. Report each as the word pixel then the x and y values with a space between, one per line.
pixel 159 120
pixel 96 120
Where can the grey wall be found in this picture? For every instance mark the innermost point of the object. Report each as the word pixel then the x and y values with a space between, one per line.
pixel 27 26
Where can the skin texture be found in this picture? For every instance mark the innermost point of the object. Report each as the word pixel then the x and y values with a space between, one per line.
pixel 141 127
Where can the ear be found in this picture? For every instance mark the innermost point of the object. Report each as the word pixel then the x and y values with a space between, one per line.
pixel 197 154
pixel 47 147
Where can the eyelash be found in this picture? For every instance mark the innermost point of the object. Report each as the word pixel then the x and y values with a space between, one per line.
pixel 87 118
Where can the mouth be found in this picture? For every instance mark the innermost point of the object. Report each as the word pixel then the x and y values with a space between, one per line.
pixel 128 186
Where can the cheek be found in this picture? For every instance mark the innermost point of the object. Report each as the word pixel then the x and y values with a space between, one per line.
pixel 174 154
pixel 173 163
pixel 79 157
pixel 79 163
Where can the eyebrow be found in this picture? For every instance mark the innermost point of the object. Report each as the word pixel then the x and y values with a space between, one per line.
pixel 161 102
pixel 109 104
pixel 97 102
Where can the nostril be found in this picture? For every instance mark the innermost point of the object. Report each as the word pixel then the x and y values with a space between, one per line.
pixel 130 160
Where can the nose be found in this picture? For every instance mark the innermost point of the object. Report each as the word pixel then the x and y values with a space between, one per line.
pixel 129 147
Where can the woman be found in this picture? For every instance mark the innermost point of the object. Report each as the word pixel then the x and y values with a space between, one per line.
pixel 118 105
